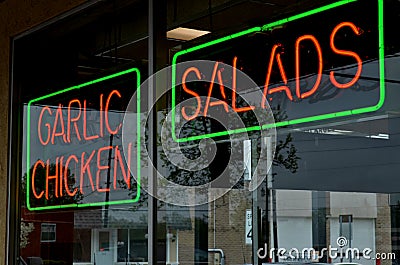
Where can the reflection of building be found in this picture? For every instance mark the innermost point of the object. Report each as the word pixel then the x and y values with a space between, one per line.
pixel 47 239
pixel 123 239
pixel 296 216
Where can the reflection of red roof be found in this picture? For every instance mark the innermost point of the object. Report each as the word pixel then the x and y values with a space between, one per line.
pixel 65 217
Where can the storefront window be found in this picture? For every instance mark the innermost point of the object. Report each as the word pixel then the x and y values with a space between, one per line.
pixel 132 245
pixel 77 190
pixel 309 174
pixel 82 245
pixel 48 232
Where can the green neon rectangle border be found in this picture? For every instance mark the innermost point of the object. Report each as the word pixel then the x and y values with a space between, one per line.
pixel 83 205
pixel 295 121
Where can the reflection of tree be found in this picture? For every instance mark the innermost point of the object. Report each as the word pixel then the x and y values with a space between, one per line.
pixel 285 156
pixel 285 153
pixel 238 200
pixel 40 184
pixel 132 192
pixel 26 229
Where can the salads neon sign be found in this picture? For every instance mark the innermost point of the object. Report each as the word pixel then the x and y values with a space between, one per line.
pixel 297 69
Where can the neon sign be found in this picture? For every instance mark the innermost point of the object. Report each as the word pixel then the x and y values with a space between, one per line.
pixel 312 71
pixel 74 153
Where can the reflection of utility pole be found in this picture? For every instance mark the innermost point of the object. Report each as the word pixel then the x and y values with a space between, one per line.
pixel 105 222
pixel 274 224
pixel 271 205
pixel 319 235
pixel 255 225
pixel 345 231
pixel 255 216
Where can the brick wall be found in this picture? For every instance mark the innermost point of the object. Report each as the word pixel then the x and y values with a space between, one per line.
pixel 229 229
pixel 383 239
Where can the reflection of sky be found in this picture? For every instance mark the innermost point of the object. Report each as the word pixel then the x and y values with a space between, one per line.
pixel 352 161
pixel 347 162
pixel 329 99
pixel 77 147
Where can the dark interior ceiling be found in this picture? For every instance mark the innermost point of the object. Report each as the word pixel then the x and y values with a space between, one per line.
pixel 115 31
pixel 129 20
pixel 220 17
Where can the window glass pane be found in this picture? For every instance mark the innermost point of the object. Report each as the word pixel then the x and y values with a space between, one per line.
pixel 48 233
pixel 79 191
pixel 104 241
pixel 82 245
pixel 122 245
pixel 138 244
pixel 333 181
pixel 332 85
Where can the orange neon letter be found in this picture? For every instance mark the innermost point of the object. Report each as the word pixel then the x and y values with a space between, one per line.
pixel 345 53
pixel 85 136
pixel 106 112
pixel 236 109
pixel 101 116
pixel 222 90
pixel 48 177
pixel 58 117
pixel 66 184
pixel 101 167
pixel 47 125
pixel 125 173
pixel 84 167
pixel 283 75
pixel 191 92
pixel 320 66
pixel 39 162
pixel 61 176
pixel 74 120
pixel 210 88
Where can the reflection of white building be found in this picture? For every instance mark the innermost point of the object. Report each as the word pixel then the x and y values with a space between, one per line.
pixel 295 221
pixel 124 239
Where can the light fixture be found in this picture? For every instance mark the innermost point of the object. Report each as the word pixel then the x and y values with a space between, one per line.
pixel 185 33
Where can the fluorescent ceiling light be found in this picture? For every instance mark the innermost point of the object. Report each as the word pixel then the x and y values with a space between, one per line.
pixel 185 33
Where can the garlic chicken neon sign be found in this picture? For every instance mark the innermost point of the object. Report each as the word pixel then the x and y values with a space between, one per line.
pixel 74 149
pixel 57 128
pixel 286 77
